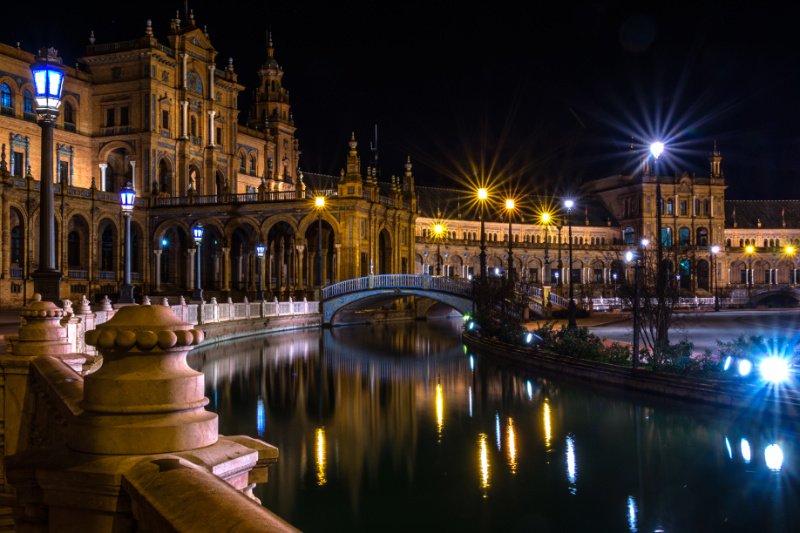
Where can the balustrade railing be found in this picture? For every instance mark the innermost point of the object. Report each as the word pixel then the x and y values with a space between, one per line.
pixel 458 286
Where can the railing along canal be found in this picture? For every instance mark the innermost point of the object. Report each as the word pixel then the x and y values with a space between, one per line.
pixel 457 286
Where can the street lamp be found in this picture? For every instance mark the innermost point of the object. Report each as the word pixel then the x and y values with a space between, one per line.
pixel 630 257
pixel 571 324
pixel 48 78
pixel 197 233
pixel 127 197
pixel 510 213
pixel 438 233
pixel 614 276
pixel 483 195
pixel 749 250
pixel 789 251
pixel 714 283
pixel 260 249
pixel 319 204
pixel 545 220
pixel 656 149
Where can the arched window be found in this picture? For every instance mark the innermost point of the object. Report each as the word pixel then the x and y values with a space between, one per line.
pixel 628 235
pixel 702 237
pixel 252 165
pixel 69 113
pixel 27 102
pixel 684 236
pixel 193 126
pixel 242 167
pixel 666 236
pixel 16 246
pixel 107 250
pixel 6 99
pixel 74 249
pixel 728 243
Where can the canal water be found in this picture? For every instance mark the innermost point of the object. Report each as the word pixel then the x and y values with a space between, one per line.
pixel 397 427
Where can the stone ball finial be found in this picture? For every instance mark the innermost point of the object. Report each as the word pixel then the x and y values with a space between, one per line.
pixel 39 309
pixel 105 305
pixel 84 308
pixel 165 301
pixel 67 307
pixel 145 398
pixel 182 300
pixel 41 332
pixel 213 300
pixel 146 300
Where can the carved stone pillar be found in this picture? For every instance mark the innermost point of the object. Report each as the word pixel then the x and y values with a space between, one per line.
pixel 338 262
pixel 184 119
pixel 190 283
pixel 212 131
pixel 300 249
pixel 226 267
pixel 280 265
pixel 103 168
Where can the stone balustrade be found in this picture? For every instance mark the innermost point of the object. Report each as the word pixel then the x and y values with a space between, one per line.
pixel 129 447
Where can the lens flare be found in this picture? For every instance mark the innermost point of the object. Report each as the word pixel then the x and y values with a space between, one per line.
pixel 773 456
pixel 774 369
pixel 745 367
pixel 745 447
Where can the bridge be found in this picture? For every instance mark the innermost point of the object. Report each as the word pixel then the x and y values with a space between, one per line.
pixel 454 292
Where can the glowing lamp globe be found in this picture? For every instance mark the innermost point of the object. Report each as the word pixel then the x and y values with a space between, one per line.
pixel 260 249
pixel 657 148
pixel 197 233
pixel 483 194
pixel 127 197
pixel 569 204
pixel 48 79
pixel 510 204
pixel 319 201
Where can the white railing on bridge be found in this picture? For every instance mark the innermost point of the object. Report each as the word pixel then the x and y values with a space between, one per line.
pixel 459 286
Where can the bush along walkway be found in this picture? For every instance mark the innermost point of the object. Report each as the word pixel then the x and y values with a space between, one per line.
pixel 729 379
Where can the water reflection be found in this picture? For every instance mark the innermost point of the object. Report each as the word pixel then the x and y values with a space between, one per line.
pixel 359 417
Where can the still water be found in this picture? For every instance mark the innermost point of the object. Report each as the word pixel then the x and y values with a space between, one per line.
pixel 397 428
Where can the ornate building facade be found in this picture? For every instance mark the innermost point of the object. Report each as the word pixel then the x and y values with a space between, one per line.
pixel 162 115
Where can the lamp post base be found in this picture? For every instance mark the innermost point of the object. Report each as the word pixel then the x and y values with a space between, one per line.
pixel 572 311
pixel 48 284
pixel 197 295
pixel 126 294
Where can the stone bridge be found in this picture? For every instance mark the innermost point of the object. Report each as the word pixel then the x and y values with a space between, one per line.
pixel 778 294
pixel 454 292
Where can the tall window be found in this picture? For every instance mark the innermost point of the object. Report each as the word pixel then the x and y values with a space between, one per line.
pixel 123 116
pixel 193 126
pixel 252 165
pixel 27 102
pixel 6 99
pixel 74 249
pixel 110 115
pixel 16 245
pixel 627 235
pixel 107 250
pixel 702 237
pixel 670 207
pixel 666 236
pixel 242 167
pixel 684 236
pixel 684 206
pixel 69 113
pixel 164 119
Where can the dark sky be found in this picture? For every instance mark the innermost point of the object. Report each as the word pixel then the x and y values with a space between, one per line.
pixel 547 96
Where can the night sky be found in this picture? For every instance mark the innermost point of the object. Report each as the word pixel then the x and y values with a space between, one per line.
pixel 547 97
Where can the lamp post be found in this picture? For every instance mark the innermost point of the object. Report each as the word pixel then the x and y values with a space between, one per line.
pixel 260 249
pixel 510 213
pixel 545 220
pixel 714 281
pixel 127 197
pixel 438 232
pixel 656 149
pixel 483 195
pixel 749 250
pixel 789 251
pixel 319 204
pixel 48 78
pixel 630 257
pixel 614 277
pixel 571 324
pixel 197 233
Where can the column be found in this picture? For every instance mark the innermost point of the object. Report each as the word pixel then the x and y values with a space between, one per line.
pixel 212 132
pixel 7 236
pixel 184 70
pixel 226 267
pixel 184 119
pixel 211 70
pixel 103 167
pixel 270 263
pixel 190 266
pixel 300 249
pixel 238 276
pixel 157 275
pixel 338 262
pixel 279 265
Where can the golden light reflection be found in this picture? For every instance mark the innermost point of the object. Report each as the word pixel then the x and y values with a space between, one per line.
pixel 483 461
pixel 439 410
pixel 511 446
pixel 321 456
pixel 547 427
